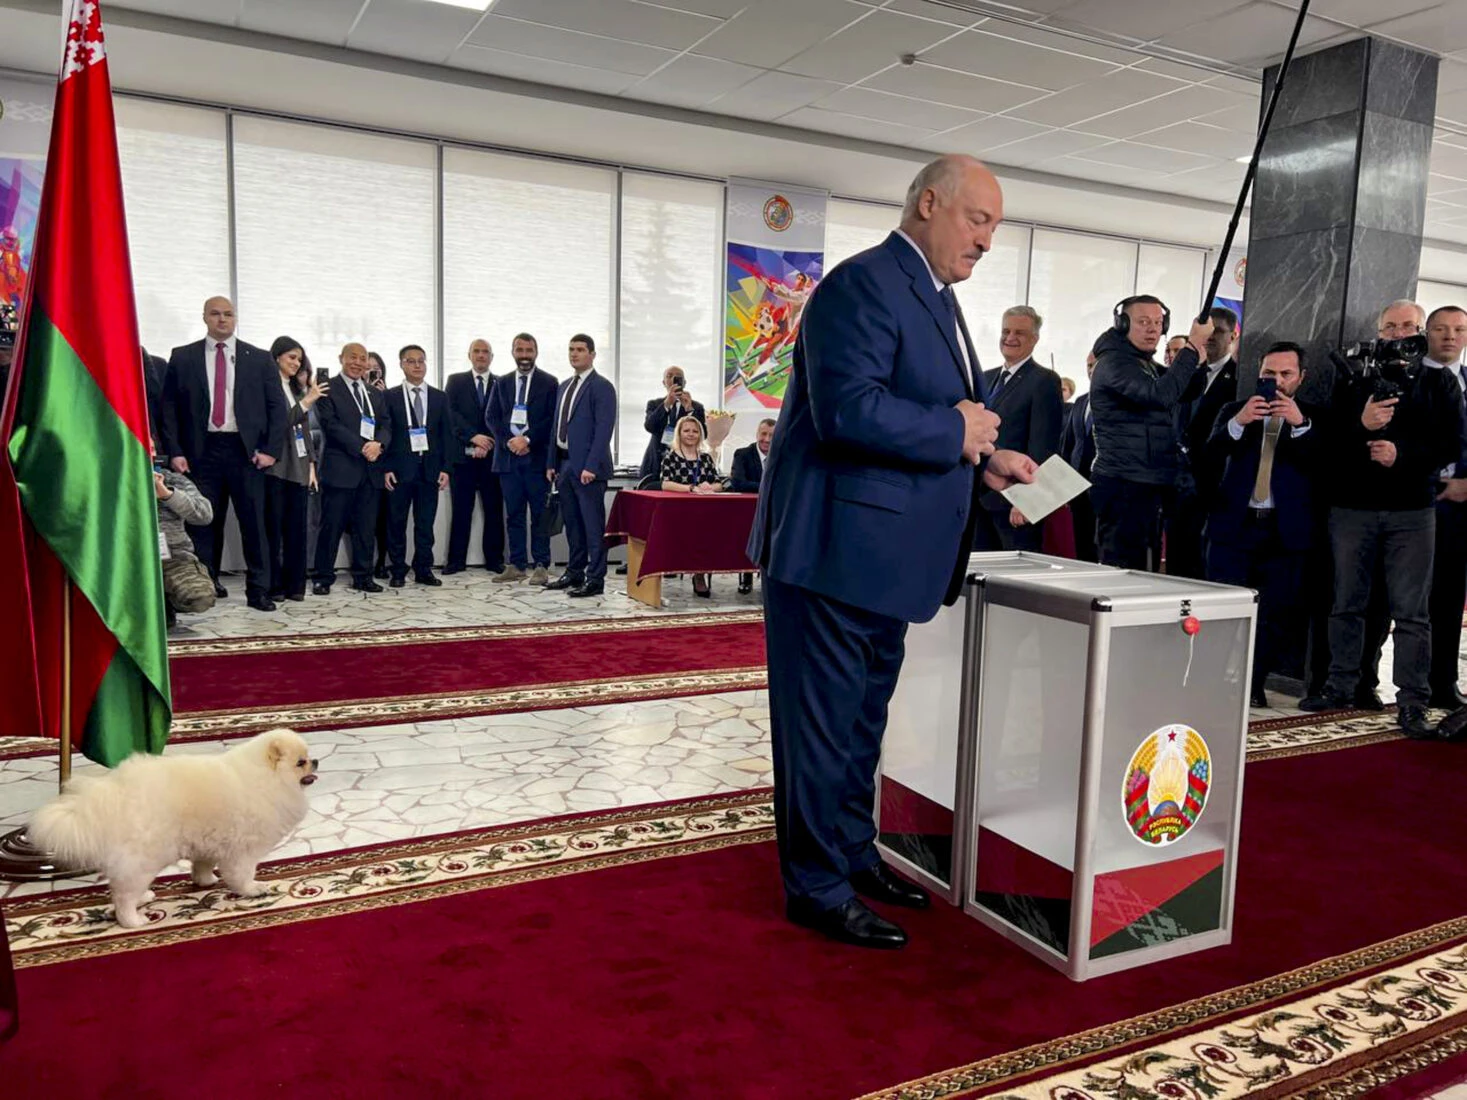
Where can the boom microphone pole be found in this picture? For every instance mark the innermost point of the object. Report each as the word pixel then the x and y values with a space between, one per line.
pixel 1273 101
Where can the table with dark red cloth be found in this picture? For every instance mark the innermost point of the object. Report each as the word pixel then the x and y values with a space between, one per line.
pixel 9 1008
pixel 680 533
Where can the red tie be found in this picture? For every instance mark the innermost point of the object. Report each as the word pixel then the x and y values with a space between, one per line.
pixel 220 378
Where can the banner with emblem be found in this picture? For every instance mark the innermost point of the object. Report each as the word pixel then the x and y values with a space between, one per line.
pixel 775 241
pixel 1230 290
pixel 25 131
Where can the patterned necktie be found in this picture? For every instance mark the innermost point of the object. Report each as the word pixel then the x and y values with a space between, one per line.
pixel 417 407
pixel 221 386
pixel 1263 484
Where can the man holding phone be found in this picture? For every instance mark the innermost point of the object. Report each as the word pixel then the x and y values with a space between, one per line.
pixel 1261 521
pixel 663 413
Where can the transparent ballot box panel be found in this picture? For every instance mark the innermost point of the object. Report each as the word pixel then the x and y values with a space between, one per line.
pixel 1108 766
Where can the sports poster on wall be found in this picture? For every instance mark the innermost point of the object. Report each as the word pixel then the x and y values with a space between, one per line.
pixel 775 241
pixel 25 134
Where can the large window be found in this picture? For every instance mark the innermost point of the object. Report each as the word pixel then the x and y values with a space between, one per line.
pixel 1175 275
pixel 335 235
pixel 1430 295
pixel 1075 282
pixel 671 235
pixel 175 189
pixel 852 227
pixel 527 247
pixel 997 283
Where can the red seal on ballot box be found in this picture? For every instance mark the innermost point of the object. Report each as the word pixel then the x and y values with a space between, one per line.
pixel 1166 785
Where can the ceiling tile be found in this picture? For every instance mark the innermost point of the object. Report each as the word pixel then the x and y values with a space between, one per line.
pixel 1452 106
pixel 1178 106
pixel 722 9
pixel 869 103
pixel 1198 137
pixel 1055 143
pixel 769 32
pixel 654 26
pixel 1439 29
pixel 693 81
pixel 866 47
pixel 1101 173
pixel 941 13
pixel 1242 119
pixel 1451 76
pixel 1143 20
pixel 989 133
pixel 1056 39
pixel 1116 90
pixel 1357 13
pixel 321 21
pixel 773 94
pixel 833 122
pixel 1448 160
pixel 1248 36
pixel 1251 87
pixel 410 28
pixel 520 67
pixel 1215 182
pixel 1008 59
pixel 953 88
pixel 1175 69
pixel 1146 158
pixel 206 11
pixel 555 44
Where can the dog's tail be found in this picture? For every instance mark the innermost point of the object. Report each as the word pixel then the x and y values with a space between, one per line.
pixel 71 826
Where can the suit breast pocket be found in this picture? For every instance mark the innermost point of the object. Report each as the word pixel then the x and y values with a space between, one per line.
pixel 891 496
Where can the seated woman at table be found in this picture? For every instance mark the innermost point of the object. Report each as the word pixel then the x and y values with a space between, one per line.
pixel 687 467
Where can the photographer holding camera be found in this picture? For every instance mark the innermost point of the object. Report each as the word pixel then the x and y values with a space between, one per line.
pixel 663 413
pixel 1396 424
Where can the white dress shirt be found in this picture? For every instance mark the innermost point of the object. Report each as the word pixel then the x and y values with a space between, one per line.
pixel 210 352
pixel 1236 431
pixel 939 286
pixel 1213 370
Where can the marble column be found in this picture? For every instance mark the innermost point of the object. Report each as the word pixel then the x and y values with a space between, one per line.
pixel 1339 200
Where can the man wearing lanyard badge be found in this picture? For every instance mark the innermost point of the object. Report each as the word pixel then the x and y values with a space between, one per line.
pixel 418 461
pixel 521 411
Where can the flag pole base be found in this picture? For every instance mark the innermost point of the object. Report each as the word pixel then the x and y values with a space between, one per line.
pixel 22 861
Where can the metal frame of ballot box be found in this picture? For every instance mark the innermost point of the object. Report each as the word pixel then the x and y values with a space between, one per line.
pixel 924 781
pixel 1103 787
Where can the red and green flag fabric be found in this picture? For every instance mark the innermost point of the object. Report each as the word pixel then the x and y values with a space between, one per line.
pixel 76 485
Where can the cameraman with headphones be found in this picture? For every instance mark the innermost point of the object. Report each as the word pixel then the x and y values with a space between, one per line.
pixel 1133 402
pixel 1397 424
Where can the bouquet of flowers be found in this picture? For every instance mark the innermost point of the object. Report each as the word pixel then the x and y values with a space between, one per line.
pixel 720 423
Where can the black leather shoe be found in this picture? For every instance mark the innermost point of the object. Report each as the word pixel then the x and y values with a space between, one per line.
pixel 590 588
pixel 366 586
pixel 1453 700
pixel 319 589
pixel 621 570
pixel 851 923
pixel 1367 699
pixel 220 592
pixel 1257 697
pixel 452 569
pixel 565 580
pixel 1325 700
pixel 881 883
pixel 1454 726
pixel 297 597
pixel 397 582
pixel 429 579
pixel 746 583
pixel 1414 724
pixel 261 603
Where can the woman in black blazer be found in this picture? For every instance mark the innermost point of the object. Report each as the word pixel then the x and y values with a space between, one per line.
pixel 291 481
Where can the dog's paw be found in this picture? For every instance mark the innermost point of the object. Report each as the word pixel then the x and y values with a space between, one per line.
pixel 254 888
pixel 205 877
pixel 148 896
pixel 131 919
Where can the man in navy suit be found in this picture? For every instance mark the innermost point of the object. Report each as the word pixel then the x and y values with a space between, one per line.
pixel 747 474
pixel 473 471
pixel 521 415
pixel 1077 447
pixel 585 415
pixel 418 459
pixel 1261 522
pixel 356 431
pixel 864 525
pixel 223 414
pixel 1031 406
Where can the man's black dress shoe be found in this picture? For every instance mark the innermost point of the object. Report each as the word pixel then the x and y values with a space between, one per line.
pixel 590 588
pixel 746 583
pixel 881 883
pixel 220 592
pixel 1414 724
pixel 621 570
pixel 1257 697
pixel 851 923
pixel 1454 726
pixel 1367 699
pixel 1448 700
pixel 565 580
pixel 452 569
pixel 429 579
pixel 297 597
pixel 261 603
pixel 1325 700
pixel 397 582
pixel 366 586
pixel 319 589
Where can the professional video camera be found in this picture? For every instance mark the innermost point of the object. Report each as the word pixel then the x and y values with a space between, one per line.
pixel 1385 364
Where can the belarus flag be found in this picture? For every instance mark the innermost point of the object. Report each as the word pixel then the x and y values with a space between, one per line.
pixel 76 484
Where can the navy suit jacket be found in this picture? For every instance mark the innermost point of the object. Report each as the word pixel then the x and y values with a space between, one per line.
pixel 259 404
pixel 866 498
pixel 342 464
pixel 1031 408
pixel 466 419
pixel 747 472
pixel 1077 442
pixel 1296 462
pixel 588 435
pixel 541 429
pixel 398 454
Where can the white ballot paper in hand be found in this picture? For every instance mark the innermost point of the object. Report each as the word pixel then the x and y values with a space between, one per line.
pixel 1055 485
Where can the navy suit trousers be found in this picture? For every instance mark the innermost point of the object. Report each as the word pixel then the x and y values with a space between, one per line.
pixel 474 478
pixel 524 486
pixel 832 671
pixel 584 509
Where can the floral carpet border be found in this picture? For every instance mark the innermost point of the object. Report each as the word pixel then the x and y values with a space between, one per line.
pixel 1337 1027
pixel 276 643
pixel 78 924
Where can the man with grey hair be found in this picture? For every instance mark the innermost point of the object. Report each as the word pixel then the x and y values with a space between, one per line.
pixel 1031 408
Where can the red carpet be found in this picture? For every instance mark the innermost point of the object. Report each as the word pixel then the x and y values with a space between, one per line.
pixel 679 978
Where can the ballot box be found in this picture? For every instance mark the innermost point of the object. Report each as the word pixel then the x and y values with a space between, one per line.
pixel 929 729
pixel 1105 782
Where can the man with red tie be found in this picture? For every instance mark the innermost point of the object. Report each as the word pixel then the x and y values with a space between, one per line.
pixel 223 424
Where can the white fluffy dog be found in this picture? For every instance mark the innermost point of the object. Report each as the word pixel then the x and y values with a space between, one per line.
pixel 226 812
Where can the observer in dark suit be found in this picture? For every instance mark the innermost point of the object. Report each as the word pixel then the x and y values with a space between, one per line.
pixel 663 413
pixel 1077 447
pixel 521 415
pixel 356 431
pixel 224 426
pixel 1031 408
pixel 418 459
pixel 474 478
pixel 1261 521
pixel 747 474
pixel 585 416
pixel 1213 386
pixel 864 525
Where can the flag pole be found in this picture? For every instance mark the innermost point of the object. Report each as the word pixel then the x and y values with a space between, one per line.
pixel 65 769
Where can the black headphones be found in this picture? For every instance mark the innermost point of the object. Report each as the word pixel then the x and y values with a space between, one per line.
pixel 1122 319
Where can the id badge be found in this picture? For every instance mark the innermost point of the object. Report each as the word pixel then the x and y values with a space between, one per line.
pixel 519 420
pixel 369 428
pixel 163 551
pixel 668 434
pixel 300 444
pixel 418 440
